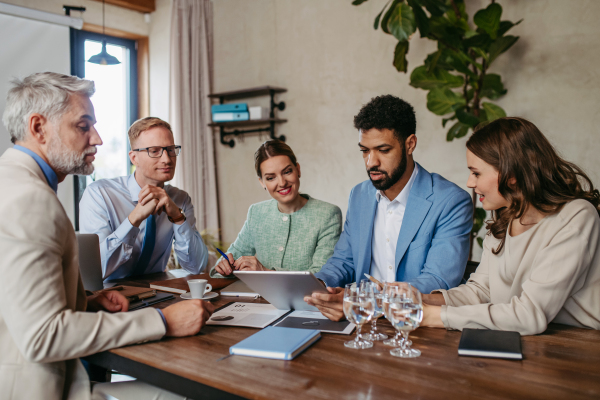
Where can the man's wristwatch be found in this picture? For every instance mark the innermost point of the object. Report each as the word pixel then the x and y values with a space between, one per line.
pixel 180 218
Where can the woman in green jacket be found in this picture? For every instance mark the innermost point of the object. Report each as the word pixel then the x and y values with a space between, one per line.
pixel 291 232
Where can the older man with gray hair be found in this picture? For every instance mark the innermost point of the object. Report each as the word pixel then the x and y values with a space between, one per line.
pixel 46 320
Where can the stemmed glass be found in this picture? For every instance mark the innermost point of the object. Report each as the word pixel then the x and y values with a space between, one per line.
pixel 390 289
pixel 405 311
pixel 378 294
pixel 359 307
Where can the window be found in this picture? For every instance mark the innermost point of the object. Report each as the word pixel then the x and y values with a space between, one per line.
pixel 115 102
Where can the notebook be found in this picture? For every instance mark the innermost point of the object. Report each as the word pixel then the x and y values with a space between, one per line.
pixel 488 343
pixel 276 342
pixel 252 315
pixel 315 320
pixel 136 305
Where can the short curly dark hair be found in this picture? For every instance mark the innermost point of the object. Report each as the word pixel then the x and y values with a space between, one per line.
pixel 388 112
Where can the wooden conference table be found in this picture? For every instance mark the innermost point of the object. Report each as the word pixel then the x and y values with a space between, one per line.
pixel 564 363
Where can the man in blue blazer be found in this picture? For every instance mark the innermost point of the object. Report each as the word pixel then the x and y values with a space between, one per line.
pixel 404 224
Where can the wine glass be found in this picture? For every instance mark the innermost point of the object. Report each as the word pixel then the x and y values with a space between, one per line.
pixel 405 310
pixel 390 289
pixel 359 307
pixel 378 295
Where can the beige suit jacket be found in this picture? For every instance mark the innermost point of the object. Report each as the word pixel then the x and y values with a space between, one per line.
pixel 43 326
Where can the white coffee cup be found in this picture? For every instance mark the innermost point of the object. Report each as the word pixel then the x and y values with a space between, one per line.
pixel 198 287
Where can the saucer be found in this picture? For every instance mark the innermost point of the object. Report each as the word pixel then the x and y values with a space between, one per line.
pixel 207 296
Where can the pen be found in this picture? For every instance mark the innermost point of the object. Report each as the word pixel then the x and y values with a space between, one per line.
pixel 375 281
pixel 225 257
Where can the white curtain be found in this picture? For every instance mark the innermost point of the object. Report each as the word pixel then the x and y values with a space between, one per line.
pixel 191 82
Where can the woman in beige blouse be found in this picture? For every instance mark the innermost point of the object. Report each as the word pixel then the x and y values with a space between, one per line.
pixel 541 255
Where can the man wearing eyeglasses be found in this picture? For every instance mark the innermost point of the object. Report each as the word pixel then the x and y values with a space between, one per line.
pixel 138 216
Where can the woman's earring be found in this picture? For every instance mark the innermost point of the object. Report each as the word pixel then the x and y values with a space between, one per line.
pixel 265 188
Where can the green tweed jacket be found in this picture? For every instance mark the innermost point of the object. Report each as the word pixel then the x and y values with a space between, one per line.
pixel 301 241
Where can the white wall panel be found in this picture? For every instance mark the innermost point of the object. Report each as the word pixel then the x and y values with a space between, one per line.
pixel 29 46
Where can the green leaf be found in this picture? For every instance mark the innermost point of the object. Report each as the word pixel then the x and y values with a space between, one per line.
pixel 435 7
pixel 445 120
pixel 421 18
pixel 492 87
pixel 492 111
pixel 506 25
pixel 467 118
pixel 480 242
pixel 482 117
pixel 444 32
pixel 400 56
pixel 460 21
pixel 500 45
pixel 457 130
pixel 442 101
pixel 387 15
pixel 402 22
pixel 482 41
pixel 481 53
pixel 378 17
pixel 489 19
pixel 358 2
pixel 479 217
pixel 433 61
pixel 439 59
pixel 460 61
pixel 439 78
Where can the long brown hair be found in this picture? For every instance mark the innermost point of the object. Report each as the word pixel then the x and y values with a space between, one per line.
pixel 272 148
pixel 542 179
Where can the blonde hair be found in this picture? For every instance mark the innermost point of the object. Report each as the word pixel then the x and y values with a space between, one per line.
pixel 142 125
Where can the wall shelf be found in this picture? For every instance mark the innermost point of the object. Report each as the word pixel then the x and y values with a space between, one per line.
pixel 249 122
pixel 248 93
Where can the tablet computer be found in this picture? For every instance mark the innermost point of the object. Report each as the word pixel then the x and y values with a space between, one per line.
pixel 283 289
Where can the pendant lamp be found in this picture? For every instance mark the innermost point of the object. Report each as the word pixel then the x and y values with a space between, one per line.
pixel 103 58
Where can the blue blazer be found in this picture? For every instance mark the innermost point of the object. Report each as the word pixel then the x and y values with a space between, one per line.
pixel 433 244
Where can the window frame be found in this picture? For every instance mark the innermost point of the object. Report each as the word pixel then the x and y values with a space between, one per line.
pixel 77 43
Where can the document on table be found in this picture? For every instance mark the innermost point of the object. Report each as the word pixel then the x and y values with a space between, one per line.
pixel 246 314
pixel 315 320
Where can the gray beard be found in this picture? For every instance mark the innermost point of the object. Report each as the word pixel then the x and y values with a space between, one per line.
pixel 67 161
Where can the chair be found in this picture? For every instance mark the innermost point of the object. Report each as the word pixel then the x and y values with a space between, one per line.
pixel 90 265
pixel 470 268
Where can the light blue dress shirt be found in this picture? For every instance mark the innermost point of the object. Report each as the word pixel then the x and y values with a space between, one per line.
pixel 104 210
pixel 46 169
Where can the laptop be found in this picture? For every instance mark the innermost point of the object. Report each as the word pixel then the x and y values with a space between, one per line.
pixel 283 289
pixel 90 265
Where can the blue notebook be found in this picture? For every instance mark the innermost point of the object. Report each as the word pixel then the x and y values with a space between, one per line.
pixel 231 107
pixel 230 116
pixel 276 342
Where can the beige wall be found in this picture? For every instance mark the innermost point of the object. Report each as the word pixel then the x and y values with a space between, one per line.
pixel 332 61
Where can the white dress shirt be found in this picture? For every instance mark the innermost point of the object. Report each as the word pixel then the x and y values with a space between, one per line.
pixel 386 228
pixel 104 210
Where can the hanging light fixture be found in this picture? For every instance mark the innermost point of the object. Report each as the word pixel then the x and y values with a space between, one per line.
pixel 103 58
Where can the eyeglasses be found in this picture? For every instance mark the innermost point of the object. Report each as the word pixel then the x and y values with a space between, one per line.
pixel 157 151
